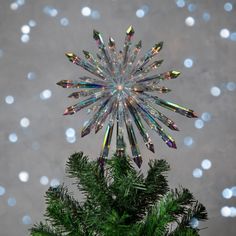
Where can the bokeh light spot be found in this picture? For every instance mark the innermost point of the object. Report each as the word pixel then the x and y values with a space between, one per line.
pixel 86 11
pixel 31 76
pixel 206 116
pixel 2 190
pixel 64 21
pixel 215 91
pixel 9 99
pixel 140 13
pixel 197 173
pixel 188 62
pixel 44 180
pixel 25 38
pixel 188 141
pixel 224 33
pixel 13 138
pixel 45 94
pixel 25 29
pixel 199 124
pixel 190 21
pixel 26 220
pixel 11 201
pixel 24 122
pixel 54 183
pixel 206 164
pixel 227 193
pixel 194 223
pixel 23 176
pixel 228 6
pixel 225 211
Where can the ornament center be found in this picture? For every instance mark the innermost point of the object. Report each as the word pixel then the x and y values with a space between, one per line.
pixel 120 87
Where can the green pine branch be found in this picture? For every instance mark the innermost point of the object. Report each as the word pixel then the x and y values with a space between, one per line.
pixel 119 201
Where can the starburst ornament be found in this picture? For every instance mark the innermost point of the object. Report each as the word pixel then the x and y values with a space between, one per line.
pixel 122 92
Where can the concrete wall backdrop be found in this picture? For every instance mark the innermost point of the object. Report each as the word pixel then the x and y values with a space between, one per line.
pixel 200 41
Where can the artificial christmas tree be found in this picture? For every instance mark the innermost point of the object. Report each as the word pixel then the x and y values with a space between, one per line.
pixel 120 201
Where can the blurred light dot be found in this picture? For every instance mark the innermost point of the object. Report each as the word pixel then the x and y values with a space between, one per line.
pixel 25 29
pixel 2 190
pixel 192 7
pixel 188 141
pixel 206 116
pixel 233 189
pixel 48 10
pixel 54 183
pixel 231 86
pixel 225 211
pixel 206 164
pixel 23 176
pixel 89 110
pixel 197 173
pixel 232 211
pixel 199 124
pixel 180 3
pixel 32 23
pixel 9 99
pixel 224 33
pixel 189 21
pixel 215 91
pixel 194 223
pixel 227 193
pixel 70 132
pixel 64 21
pixel 45 94
pixel 206 16
pixel 188 63
pixel 25 38
pixel 26 220
pixel 145 8
pixel 20 2
pixel 13 137
pixel 14 6
pixel 53 12
pixel 31 76
pixel 228 6
pixel 11 201
pixel 35 146
pixel 233 36
pixel 95 14
pixel 71 139
pixel 44 180
pixel 24 122
pixel 86 11
pixel 140 13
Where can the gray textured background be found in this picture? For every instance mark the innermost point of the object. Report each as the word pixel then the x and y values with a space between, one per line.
pixel 214 65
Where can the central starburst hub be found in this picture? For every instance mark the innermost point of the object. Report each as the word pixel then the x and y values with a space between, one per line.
pixel 120 87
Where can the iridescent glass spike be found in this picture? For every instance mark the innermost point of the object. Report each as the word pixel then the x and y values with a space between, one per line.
pixel 78 84
pixel 163 76
pixel 91 123
pixel 139 124
pixel 75 108
pixel 148 56
pixel 97 36
pixel 132 139
pixel 129 35
pixel 78 61
pixel 172 106
pixel 120 143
